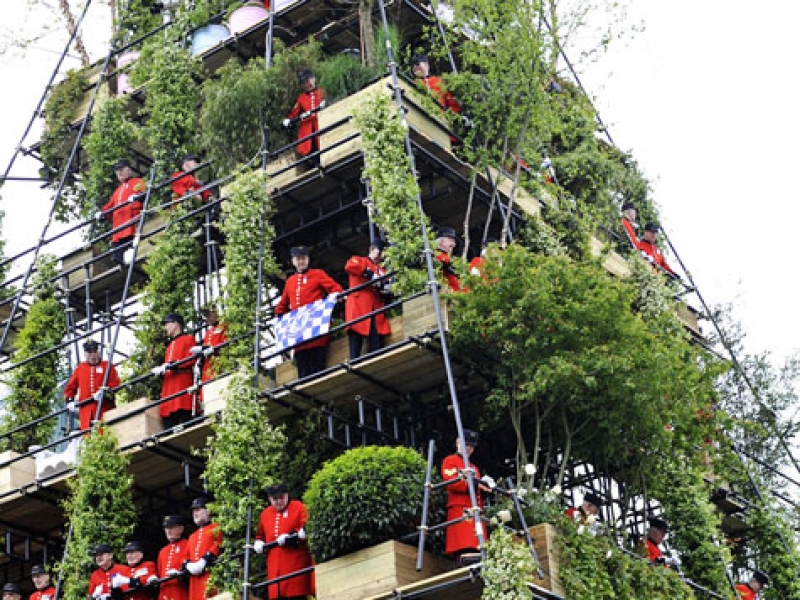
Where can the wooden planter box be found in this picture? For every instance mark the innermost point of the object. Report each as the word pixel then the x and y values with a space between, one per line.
pixel 134 428
pixel 214 394
pixel 419 315
pixel 544 536
pixel 18 474
pixel 373 571
pixel 418 120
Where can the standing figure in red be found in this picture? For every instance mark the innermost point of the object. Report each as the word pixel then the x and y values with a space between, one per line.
pixel 445 244
pixel 215 336
pixel 178 375
pixel 750 590
pixel 629 215
pixel 41 581
pixel 11 591
pixel 126 208
pixel 101 578
pixel 655 537
pixel 85 383
pixel 461 538
pixel 361 269
pixel 649 249
pixel 589 507
pixel 185 182
pixel 203 550
pixel 139 574
pixel 304 287
pixel 309 102
pixel 421 68
pixel 171 559
pixel 282 527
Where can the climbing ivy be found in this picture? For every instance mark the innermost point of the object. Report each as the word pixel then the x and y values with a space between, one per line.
pixel 507 568
pixel 243 456
pixel 35 384
pixel 100 508
pixel 394 190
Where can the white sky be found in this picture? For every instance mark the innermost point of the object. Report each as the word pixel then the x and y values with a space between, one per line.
pixel 706 97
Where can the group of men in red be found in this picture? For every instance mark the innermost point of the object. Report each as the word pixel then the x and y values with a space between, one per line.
pixel 647 244
pixel 92 381
pixel 43 589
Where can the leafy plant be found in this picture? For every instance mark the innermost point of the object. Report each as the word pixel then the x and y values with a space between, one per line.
pixel 243 456
pixel 137 19
pixel 394 190
pixel 343 75
pixel 771 532
pixel 100 507
pixel 507 568
pixel 249 235
pixel 34 383
pixel 364 497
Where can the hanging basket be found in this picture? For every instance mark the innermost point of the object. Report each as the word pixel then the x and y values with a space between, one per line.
pixel 207 37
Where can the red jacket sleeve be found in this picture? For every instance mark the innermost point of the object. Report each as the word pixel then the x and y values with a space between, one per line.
pixel 451 469
pixel 113 377
pixel 296 110
pixel 328 283
pixel 283 304
pixel 71 389
pixel 355 266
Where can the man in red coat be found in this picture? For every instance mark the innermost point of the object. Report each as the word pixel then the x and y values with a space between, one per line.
pixel 178 372
pixel 123 208
pixel 589 507
pixel 750 590
pixel 203 550
pixel 139 574
pixel 629 214
pixel 647 246
pixel 461 538
pixel 86 383
pixel 361 269
pixel 421 68
pixel 215 336
pixel 304 287
pixel 11 591
pixel 445 244
pixel 282 525
pixel 309 102
pixel 41 581
pixel 185 182
pixel 100 581
pixel 655 537
pixel 171 559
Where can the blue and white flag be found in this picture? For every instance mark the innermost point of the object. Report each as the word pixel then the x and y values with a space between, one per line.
pixel 304 323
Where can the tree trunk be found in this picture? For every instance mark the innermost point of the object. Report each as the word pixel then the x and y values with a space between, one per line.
pixel 367 33
pixel 66 12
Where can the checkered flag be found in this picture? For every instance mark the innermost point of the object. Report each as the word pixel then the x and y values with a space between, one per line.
pixel 304 323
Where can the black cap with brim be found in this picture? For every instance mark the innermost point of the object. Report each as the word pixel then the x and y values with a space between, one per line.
pixel 173 521
pixel 12 588
pixel 91 346
pixel 304 76
pixel 296 251
pixel 134 546
pixel 419 58
pixel 660 524
pixel 172 318
pixel 189 157
pixel 122 163
pixel 652 227
pixel 102 549
pixel 761 577
pixel 447 232
pixel 593 498
pixel 200 502
pixel 471 437
pixel 39 570
pixel 277 490
pixel 628 206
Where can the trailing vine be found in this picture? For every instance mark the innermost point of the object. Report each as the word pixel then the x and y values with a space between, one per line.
pixel 100 507
pixel 35 383
pixel 770 529
pixel 248 230
pixel 394 190
pixel 507 568
pixel 243 456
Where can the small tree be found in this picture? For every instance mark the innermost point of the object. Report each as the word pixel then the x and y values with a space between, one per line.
pixel 99 509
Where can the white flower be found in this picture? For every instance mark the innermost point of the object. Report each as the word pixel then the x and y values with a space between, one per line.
pixel 556 490
pixel 609 554
pixel 530 469
pixel 504 516
pixel 521 492
pixel 591 519
pixel 581 529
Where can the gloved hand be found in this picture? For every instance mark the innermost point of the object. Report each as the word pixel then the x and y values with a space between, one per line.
pixel 488 482
pixel 150 580
pixel 282 539
pixel 159 370
pixel 334 296
pixel 305 115
pixel 287 122
pixel 117 581
pixel 171 572
pixel 98 591
pixel 466 122
pixel 72 406
pixel 196 567
pixel 322 104
pixel 98 216
pixel 368 273
pixel 196 350
pixel 673 561
pixel 99 395
pixel 208 351
pixel 301 535
pixel 258 546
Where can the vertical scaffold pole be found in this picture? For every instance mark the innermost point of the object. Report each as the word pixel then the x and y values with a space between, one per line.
pixel 426 498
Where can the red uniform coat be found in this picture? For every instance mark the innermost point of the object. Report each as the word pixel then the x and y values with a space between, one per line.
pixel 447 270
pixel 366 299
pixel 307 101
pixel 305 288
pixel 172 556
pixel 102 578
pixel 631 232
pixel 652 253
pixel 653 551
pixel 129 211
pixel 476 266
pixel 746 592
pixel 143 571
pixel 215 336
pixel 85 381
pixel 203 543
pixel 576 514
pixel 460 536
pixel 178 378
pixel 187 183
pixel 443 97
pixel 282 560
pixel 46 594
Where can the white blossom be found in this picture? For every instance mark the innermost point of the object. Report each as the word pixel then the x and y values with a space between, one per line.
pixel 504 516
pixel 530 469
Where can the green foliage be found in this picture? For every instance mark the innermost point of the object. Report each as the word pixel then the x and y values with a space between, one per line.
pixel 243 456
pixel 567 358
pixel 506 569
pixel 364 497
pixel 248 231
pixel 198 13
pixel 34 384
pixel 172 268
pixel 171 104
pixel 109 140
pixel 6 290
pixel 394 190
pixel 138 19
pixel 771 530
pixel 307 439
pixel 100 508
pixel 342 75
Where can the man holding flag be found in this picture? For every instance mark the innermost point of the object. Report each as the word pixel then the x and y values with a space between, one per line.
pixel 305 287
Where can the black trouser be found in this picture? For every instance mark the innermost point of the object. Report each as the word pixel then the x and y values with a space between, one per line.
pixel 374 341
pixel 310 361
pixel 177 417
pixel 119 247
